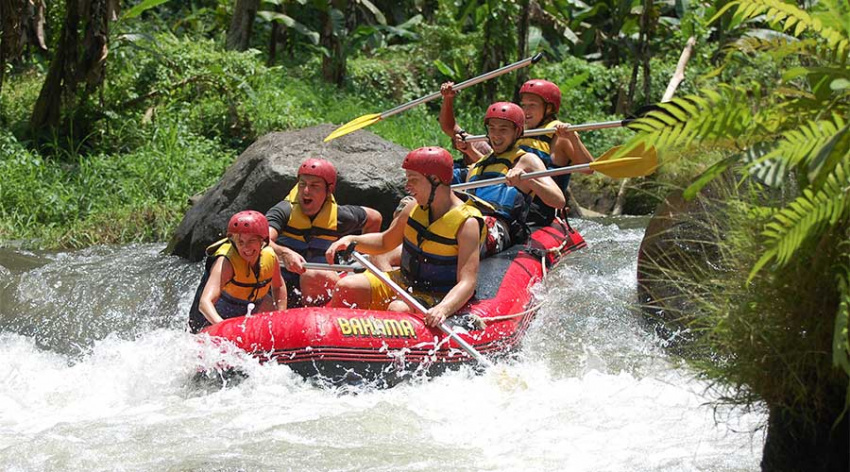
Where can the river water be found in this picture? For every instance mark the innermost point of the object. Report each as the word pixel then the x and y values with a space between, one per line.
pixel 96 369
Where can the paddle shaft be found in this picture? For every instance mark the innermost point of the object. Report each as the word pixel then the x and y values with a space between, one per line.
pixel 528 176
pixel 466 83
pixel 539 131
pixel 334 267
pixel 410 300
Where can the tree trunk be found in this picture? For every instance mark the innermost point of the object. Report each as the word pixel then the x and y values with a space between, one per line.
pixel 642 56
pixel 10 31
pixel 34 25
pixel 678 75
pixel 333 67
pixel 792 444
pixel 429 10
pixel 241 25
pixel 522 44
pixel 275 38
pixel 648 20
pixel 75 62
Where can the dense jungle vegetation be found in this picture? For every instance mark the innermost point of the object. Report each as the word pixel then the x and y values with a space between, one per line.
pixel 113 113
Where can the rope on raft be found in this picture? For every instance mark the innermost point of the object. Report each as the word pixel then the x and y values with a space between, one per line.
pixel 493 319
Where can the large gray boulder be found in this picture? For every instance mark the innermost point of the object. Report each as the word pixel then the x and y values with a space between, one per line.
pixel 369 169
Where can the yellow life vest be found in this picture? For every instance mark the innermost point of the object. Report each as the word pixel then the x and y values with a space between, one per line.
pixel 248 284
pixel 430 250
pixel 310 237
pixel 541 145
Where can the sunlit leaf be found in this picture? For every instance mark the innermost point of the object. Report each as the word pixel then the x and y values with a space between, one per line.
pixel 141 8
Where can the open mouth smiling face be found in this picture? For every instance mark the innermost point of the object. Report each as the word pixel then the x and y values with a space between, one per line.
pixel 312 193
pixel 502 134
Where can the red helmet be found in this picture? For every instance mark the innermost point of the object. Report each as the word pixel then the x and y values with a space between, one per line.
pixel 319 168
pixel 249 222
pixel 549 92
pixel 434 161
pixel 506 111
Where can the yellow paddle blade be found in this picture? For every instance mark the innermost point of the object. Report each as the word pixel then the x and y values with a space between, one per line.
pixel 354 125
pixel 639 162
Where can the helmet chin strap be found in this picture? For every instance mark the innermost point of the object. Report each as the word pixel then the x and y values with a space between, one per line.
pixel 431 195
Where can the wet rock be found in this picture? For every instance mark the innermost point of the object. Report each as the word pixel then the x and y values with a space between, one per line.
pixel 680 244
pixel 369 170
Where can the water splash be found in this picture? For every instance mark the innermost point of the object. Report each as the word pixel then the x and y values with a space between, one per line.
pixel 98 376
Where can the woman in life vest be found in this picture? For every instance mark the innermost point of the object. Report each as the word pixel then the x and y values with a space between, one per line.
pixel 507 225
pixel 439 232
pixel 541 101
pixel 304 225
pixel 241 270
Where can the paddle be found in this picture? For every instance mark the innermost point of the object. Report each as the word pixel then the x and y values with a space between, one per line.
pixel 642 111
pixel 640 162
pixel 538 131
pixel 333 267
pixel 483 361
pixel 373 118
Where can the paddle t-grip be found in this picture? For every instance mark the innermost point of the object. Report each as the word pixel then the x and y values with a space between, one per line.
pixel 344 256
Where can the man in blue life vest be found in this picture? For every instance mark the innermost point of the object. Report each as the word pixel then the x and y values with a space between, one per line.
pixel 540 101
pixel 304 225
pixel 507 225
pixel 440 233
pixel 240 271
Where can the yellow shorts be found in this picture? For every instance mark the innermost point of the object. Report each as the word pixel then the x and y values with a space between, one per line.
pixel 383 295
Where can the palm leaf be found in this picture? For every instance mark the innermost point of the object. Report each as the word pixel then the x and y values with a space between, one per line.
pixel 799 145
pixel 712 119
pixel 789 18
pixel 806 215
pixel 763 165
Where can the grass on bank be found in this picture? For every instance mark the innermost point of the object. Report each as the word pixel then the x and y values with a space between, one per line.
pixel 769 339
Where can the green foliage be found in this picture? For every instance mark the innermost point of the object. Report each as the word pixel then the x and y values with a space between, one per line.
pixel 86 199
pixel 795 128
pixel 186 77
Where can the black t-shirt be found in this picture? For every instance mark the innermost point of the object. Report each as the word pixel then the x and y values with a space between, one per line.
pixel 350 218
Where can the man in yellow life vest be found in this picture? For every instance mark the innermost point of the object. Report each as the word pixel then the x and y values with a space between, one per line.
pixel 439 233
pixel 541 101
pixel 240 270
pixel 304 225
pixel 507 225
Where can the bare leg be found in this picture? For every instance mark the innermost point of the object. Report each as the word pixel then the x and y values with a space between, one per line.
pixel 388 260
pixel 398 305
pixel 317 286
pixel 353 291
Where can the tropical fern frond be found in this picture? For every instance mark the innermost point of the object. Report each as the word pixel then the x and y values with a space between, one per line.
pixel 789 18
pixel 799 145
pixel 804 217
pixel 777 47
pixel 712 119
pixel 762 163
pixel 823 161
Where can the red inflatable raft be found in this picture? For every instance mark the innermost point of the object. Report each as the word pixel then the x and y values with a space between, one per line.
pixel 341 345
